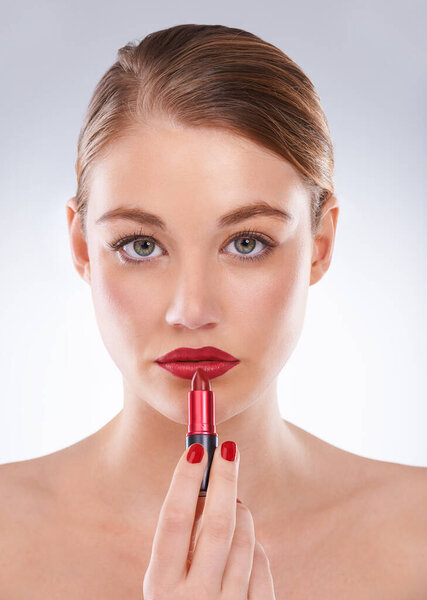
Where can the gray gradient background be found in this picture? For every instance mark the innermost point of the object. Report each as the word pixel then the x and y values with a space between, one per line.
pixel 357 376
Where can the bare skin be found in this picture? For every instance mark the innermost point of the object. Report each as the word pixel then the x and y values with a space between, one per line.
pixel 80 522
pixel 361 537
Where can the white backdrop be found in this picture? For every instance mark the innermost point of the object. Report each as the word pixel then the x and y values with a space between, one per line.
pixel 357 376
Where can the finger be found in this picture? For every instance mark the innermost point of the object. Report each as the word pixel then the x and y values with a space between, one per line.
pixel 235 582
pixel 218 523
pixel 196 528
pixel 261 585
pixel 172 538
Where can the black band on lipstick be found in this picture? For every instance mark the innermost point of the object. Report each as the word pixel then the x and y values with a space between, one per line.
pixel 210 443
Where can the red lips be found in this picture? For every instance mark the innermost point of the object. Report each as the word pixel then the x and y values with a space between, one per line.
pixel 196 354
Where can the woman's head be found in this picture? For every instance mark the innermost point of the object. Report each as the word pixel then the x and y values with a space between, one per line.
pixel 196 122
pixel 211 76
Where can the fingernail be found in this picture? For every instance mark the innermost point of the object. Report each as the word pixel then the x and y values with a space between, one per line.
pixel 228 450
pixel 195 453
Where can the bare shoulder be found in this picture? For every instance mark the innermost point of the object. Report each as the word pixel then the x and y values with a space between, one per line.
pixel 394 492
pixel 35 475
pixel 381 507
pixel 403 491
pixel 19 483
pixel 27 493
pixel 29 517
pixel 34 481
pixel 392 510
pixel 32 491
pixel 401 488
pixel 25 498
pixel 21 508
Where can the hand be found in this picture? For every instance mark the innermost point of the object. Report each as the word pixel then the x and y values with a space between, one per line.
pixel 228 563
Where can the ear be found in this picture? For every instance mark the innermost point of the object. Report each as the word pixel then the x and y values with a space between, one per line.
pixel 79 249
pixel 323 243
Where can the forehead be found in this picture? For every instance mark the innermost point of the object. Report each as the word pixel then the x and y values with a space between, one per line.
pixel 169 169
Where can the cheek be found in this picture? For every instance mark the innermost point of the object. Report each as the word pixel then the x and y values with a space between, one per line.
pixel 272 304
pixel 125 312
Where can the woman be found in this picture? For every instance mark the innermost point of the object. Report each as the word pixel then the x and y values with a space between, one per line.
pixel 205 209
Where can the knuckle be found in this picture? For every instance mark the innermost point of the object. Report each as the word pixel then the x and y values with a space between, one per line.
pixel 227 475
pixel 191 474
pixel 174 521
pixel 244 539
pixel 220 527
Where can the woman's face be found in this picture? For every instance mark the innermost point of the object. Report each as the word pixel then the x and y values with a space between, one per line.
pixel 194 284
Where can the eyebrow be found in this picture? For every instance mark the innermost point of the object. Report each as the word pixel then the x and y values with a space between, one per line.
pixel 231 218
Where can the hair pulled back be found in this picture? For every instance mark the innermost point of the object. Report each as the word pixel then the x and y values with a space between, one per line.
pixel 211 76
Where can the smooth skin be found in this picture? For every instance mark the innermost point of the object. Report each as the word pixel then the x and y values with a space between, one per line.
pixel 80 522
pixel 228 562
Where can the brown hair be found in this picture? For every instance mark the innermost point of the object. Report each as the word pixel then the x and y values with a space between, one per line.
pixel 211 76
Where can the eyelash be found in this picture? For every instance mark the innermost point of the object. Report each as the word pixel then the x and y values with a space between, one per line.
pixel 123 240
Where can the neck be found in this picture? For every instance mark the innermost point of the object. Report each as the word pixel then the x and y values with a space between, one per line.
pixel 132 458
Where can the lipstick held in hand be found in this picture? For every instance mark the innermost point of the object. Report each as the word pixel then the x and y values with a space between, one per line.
pixel 201 420
pixel 201 430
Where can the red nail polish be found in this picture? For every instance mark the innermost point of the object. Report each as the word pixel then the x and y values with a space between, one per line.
pixel 228 450
pixel 195 453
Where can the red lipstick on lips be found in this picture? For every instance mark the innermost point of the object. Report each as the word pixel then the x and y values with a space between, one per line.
pixel 183 362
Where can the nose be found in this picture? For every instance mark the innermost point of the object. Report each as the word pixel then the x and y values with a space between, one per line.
pixel 194 302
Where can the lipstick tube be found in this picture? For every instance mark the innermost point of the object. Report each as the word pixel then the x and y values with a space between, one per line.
pixel 201 430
